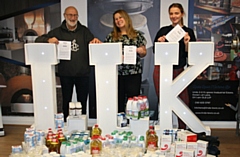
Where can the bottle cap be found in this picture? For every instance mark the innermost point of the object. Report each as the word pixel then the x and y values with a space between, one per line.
pixel 78 105
pixel 135 98
pixel 141 138
pixel 71 105
pixel 68 144
pixel 64 142
pixel 125 138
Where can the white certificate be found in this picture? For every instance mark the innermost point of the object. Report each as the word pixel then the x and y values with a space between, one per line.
pixel 64 50
pixel 176 34
pixel 130 55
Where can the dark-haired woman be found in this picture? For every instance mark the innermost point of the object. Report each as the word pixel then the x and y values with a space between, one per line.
pixel 176 13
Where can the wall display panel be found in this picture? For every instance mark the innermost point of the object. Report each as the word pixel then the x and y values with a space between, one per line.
pixel 17 98
pixel 209 98
pixel 218 84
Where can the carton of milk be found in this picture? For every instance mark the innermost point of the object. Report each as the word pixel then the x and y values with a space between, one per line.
pixel 202 148
pixel 165 143
pixel 186 136
pixel 192 146
pixel 188 153
pixel 180 146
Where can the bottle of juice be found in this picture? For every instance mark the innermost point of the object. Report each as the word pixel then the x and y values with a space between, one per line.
pixel 151 128
pixel 152 141
pixel 61 137
pixel 95 146
pixel 96 130
pixel 49 139
pixel 54 146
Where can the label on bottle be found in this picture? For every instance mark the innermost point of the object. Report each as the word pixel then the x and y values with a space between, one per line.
pixel 146 104
pixel 135 114
pixel 78 112
pixel 71 109
pixel 71 112
pixel 142 113
pixel 152 145
pixel 95 150
pixel 78 108
pixel 146 112
pixel 141 144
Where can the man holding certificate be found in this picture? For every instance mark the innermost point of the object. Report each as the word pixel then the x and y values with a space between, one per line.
pixel 74 69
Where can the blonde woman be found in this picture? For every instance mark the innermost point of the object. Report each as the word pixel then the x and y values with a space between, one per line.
pixel 129 75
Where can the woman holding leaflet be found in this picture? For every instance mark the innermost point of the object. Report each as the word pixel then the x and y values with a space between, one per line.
pixel 176 13
pixel 129 75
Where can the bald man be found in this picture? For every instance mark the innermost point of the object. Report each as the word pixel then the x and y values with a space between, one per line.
pixel 76 70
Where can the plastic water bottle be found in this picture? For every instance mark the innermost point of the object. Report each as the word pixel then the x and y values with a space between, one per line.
pixel 63 148
pixel 141 142
pixel 129 108
pixel 72 109
pixel 145 101
pixel 141 107
pixel 111 142
pixel 125 142
pixel 74 146
pixel 78 109
pixel 135 109
pixel 82 145
pixel 133 142
pixel 68 148
pixel 115 139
